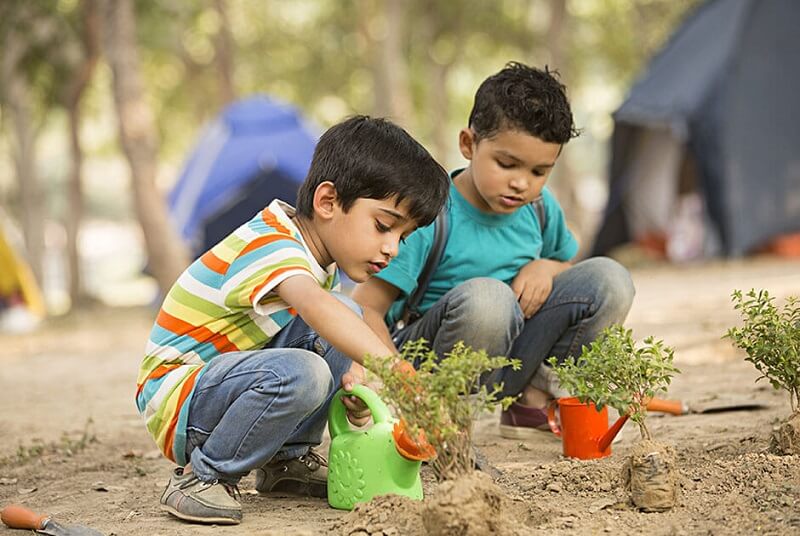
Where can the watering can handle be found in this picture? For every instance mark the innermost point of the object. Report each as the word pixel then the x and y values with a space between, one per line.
pixel 551 417
pixel 337 414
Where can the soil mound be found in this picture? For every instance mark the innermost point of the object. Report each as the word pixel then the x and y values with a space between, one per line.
pixel 388 515
pixel 470 505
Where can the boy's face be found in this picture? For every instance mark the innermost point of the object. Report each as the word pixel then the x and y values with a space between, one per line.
pixel 364 239
pixel 507 170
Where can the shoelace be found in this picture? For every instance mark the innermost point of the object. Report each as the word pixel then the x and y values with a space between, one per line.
pixel 313 460
pixel 231 489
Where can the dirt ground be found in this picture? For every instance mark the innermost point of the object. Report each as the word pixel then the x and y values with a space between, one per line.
pixel 74 446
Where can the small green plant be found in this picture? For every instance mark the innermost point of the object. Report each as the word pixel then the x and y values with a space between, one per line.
pixel 771 339
pixel 443 398
pixel 612 371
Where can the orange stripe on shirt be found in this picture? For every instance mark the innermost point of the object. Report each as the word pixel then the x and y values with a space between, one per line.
pixel 198 333
pixel 272 276
pixel 186 388
pixel 263 241
pixel 270 219
pixel 156 373
pixel 214 263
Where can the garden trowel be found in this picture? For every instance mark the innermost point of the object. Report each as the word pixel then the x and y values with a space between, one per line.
pixel 19 517
pixel 713 404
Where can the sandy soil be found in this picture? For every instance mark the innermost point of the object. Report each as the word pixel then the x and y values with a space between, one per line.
pixel 74 446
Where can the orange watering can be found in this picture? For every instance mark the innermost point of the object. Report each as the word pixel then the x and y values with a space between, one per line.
pixel 583 429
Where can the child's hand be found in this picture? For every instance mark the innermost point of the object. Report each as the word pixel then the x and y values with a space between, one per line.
pixel 357 411
pixel 534 283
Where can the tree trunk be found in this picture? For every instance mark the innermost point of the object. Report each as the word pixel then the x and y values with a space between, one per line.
pixel 223 54
pixel 437 70
pixel 167 254
pixel 566 186
pixel 17 96
pixel 90 19
pixel 385 30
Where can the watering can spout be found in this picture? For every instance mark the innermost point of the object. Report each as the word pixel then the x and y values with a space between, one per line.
pixel 408 448
pixel 612 432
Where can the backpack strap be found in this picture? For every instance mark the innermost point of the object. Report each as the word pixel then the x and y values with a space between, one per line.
pixel 541 213
pixel 441 232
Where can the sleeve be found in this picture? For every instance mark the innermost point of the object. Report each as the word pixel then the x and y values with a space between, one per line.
pixel 558 242
pixel 260 267
pixel 403 271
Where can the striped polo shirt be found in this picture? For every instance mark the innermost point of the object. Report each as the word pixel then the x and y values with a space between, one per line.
pixel 224 302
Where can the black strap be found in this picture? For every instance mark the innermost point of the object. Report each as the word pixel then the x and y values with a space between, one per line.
pixel 441 232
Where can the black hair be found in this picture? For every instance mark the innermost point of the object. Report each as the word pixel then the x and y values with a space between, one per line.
pixel 373 158
pixel 523 98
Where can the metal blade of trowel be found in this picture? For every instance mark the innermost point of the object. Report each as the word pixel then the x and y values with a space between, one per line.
pixel 19 517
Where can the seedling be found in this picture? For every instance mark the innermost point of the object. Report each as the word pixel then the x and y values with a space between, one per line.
pixel 771 338
pixel 443 399
pixel 613 372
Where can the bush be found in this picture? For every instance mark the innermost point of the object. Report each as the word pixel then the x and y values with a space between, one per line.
pixel 443 399
pixel 612 371
pixel 771 339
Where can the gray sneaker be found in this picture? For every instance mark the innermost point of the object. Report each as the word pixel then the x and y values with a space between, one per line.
pixel 191 499
pixel 306 475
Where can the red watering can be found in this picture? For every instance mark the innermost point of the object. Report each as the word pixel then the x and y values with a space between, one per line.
pixel 583 429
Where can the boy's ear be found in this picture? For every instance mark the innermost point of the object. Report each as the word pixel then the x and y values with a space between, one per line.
pixel 326 200
pixel 466 142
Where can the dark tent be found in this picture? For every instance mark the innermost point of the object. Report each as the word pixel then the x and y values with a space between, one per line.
pixel 257 150
pixel 708 138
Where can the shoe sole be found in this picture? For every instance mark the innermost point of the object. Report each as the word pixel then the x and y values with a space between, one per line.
pixel 524 432
pixel 204 520
pixel 295 488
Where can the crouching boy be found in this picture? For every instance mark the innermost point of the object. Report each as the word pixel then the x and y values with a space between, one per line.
pixel 252 340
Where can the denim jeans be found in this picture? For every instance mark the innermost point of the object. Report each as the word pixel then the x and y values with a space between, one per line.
pixel 485 314
pixel 251 407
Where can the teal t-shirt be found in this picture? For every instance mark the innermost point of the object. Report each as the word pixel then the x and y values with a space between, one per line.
pixel 480 245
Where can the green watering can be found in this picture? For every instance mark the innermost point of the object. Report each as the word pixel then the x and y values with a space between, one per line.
pixel 363 464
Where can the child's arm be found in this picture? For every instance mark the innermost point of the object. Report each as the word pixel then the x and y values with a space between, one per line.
pixel 333 320
pixel 375 296
pixel 534 282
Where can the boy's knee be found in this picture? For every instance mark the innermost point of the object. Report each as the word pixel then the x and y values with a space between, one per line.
pixel 350 303
pixel 487 304
pixel 312 383
pixel 614 284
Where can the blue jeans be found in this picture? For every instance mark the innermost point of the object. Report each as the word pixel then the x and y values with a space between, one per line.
pixel 251 407
pixel 485 314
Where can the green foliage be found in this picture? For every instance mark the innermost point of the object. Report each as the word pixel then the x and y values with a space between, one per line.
pixel 771 339
pixel 442 399
pixel 613 371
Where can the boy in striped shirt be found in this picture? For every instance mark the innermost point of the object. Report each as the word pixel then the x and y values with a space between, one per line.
pixel 252 340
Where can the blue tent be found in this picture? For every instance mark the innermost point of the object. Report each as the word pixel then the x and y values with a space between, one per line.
pixel 258 149
pixel 715 115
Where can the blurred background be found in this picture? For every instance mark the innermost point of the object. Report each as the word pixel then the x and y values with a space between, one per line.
pixel 133 135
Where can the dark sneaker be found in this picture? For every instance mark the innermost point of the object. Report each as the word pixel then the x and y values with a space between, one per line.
pixel 191 499
pixel 306 475
pixel 522 422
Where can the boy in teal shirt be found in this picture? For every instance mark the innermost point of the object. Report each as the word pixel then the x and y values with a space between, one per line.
pixel 504 282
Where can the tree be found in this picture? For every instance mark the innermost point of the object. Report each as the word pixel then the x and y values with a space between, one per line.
pixel 23 27
pixel 167 254
pixel 79 73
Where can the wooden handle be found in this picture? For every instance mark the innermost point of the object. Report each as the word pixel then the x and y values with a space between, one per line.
pixel 675 407
pixel 19 517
